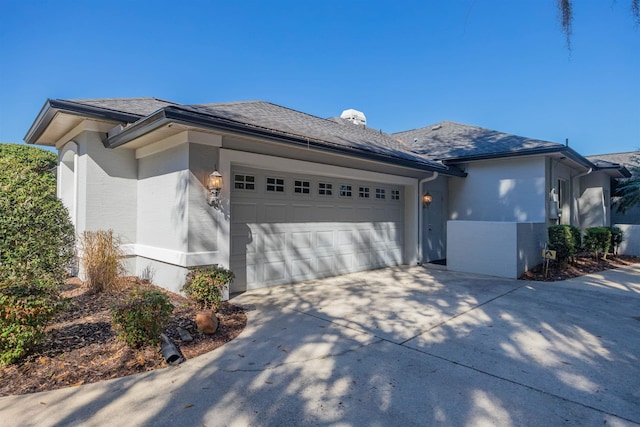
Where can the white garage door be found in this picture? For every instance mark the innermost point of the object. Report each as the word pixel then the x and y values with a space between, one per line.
pixel 287 228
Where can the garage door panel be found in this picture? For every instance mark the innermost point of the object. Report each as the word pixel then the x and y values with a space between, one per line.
pixel 283 237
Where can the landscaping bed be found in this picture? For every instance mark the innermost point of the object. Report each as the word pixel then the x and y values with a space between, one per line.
pixel 584 264
pixel 81 345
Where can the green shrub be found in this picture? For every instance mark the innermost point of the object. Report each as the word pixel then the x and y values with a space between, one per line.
pixel 36 234
pixel 617 236
pixel 597 239
pixel 142 316
pixel 563 240
pixel 205 285
pixel 576 236
pixel 36 246
pixel 27 304
pixel 102 260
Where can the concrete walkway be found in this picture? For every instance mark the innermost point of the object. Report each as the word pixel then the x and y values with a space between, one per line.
pixel 400 346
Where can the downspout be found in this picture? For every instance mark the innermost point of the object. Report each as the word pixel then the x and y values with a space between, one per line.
pixel 420 214
pixel 574 200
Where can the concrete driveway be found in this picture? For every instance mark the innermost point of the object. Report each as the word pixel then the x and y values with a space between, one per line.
pixel 399 346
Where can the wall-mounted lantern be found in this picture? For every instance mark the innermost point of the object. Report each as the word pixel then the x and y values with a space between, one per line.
pixel 426 200
pixel 214 185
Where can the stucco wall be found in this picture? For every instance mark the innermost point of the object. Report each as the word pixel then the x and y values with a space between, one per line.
pixel 500 190
pixel 631 239
pixel 503 249
pixel 594 200
pixel 107 188
pixel 203 219
pixel 163 186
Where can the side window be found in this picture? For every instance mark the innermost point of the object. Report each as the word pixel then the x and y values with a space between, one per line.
pixel 395 194
pixel 345 190
pixel 325 189
pixel 244 182
pixel 275 184
pixel 380 193
pixel 363 192
pixel 301 187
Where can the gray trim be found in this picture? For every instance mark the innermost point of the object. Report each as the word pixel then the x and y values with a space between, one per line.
pixel 569 152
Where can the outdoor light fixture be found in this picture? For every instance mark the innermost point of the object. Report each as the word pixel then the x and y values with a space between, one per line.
pixel 426 200
pixel 214 184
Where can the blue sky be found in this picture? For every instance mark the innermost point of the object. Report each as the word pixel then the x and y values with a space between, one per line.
pixel 499 64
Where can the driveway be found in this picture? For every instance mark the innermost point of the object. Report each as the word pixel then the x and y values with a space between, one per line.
pixel 399 346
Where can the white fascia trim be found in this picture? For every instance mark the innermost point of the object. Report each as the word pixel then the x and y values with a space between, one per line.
pixel 262 161
pixel 179 258
pixel 177 139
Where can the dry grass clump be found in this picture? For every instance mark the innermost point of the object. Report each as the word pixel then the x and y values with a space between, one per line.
pixel 102 260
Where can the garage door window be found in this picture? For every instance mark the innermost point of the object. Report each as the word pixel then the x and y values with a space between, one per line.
pixel 275 184
pixel 380 194
pixel 345 190
pixel 325 189
pixel 395 194
pixel 245 182
pixel 301 187
pixel 363 192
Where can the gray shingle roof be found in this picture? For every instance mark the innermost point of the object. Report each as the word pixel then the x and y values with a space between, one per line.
pixel 624 159
pixel 284 120
pixel 449 140
pixel 139 106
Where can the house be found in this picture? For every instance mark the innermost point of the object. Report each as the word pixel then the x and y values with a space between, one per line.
pixel 281 196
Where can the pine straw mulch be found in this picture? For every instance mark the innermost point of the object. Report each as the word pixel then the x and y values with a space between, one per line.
pixel 585 264
pixel 81 345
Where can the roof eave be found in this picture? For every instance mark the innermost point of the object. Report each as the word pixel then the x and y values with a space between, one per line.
pixel 567 151
pixel 174 114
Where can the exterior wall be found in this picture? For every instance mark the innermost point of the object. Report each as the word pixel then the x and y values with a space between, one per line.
pixel 203 219
pixel 503 249
pixel 594 200
pixel 163 190
pixel 68 178
pixel 107 188
pixel 559 171
pixel 500 190
pixel 434 220
pixel 631 243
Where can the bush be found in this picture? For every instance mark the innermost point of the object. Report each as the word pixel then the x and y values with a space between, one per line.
pixel 142 316
pixel 27 304
pixel 576 236
pixel 101 260
pixel 564 239
pixel 617 236
pixel 36 246
pixel 36 234
pixel 597 239
pixel 205 285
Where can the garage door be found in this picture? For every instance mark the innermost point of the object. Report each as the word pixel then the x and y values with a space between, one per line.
pixel 287 228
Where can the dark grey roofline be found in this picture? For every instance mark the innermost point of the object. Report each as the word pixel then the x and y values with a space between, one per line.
pixel 622 169
pixel 52 106
pixel 177 114
pixel 567 151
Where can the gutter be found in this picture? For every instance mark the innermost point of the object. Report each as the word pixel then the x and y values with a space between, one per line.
pixel 421 215
pixel 171 114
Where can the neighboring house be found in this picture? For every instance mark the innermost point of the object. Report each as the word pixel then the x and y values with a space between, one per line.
pixel 304 197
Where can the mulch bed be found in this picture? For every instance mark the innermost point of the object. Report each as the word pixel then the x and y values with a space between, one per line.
pixel 81 345
pixel 584 264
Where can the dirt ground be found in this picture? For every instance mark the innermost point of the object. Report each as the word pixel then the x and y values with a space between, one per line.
pixel 585 264
pixel 81 345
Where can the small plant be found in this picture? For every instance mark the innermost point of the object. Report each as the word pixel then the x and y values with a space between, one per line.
pixel 565 240
pixel 27 304
pixel 597 239
pixel 142 316
pixel 102 260
pixel 205 285
pixel 617 236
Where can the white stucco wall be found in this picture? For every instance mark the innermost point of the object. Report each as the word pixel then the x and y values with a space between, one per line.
pixel 631 239
pixel 503 249
pixel 500 190
pixel 203 219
